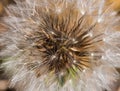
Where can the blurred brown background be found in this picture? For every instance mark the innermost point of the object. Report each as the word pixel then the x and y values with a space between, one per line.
pixel 3 78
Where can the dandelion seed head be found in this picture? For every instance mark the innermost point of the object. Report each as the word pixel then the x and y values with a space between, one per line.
pixel 60 45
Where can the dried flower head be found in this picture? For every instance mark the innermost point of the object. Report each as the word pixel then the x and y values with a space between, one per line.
pixel 61 45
